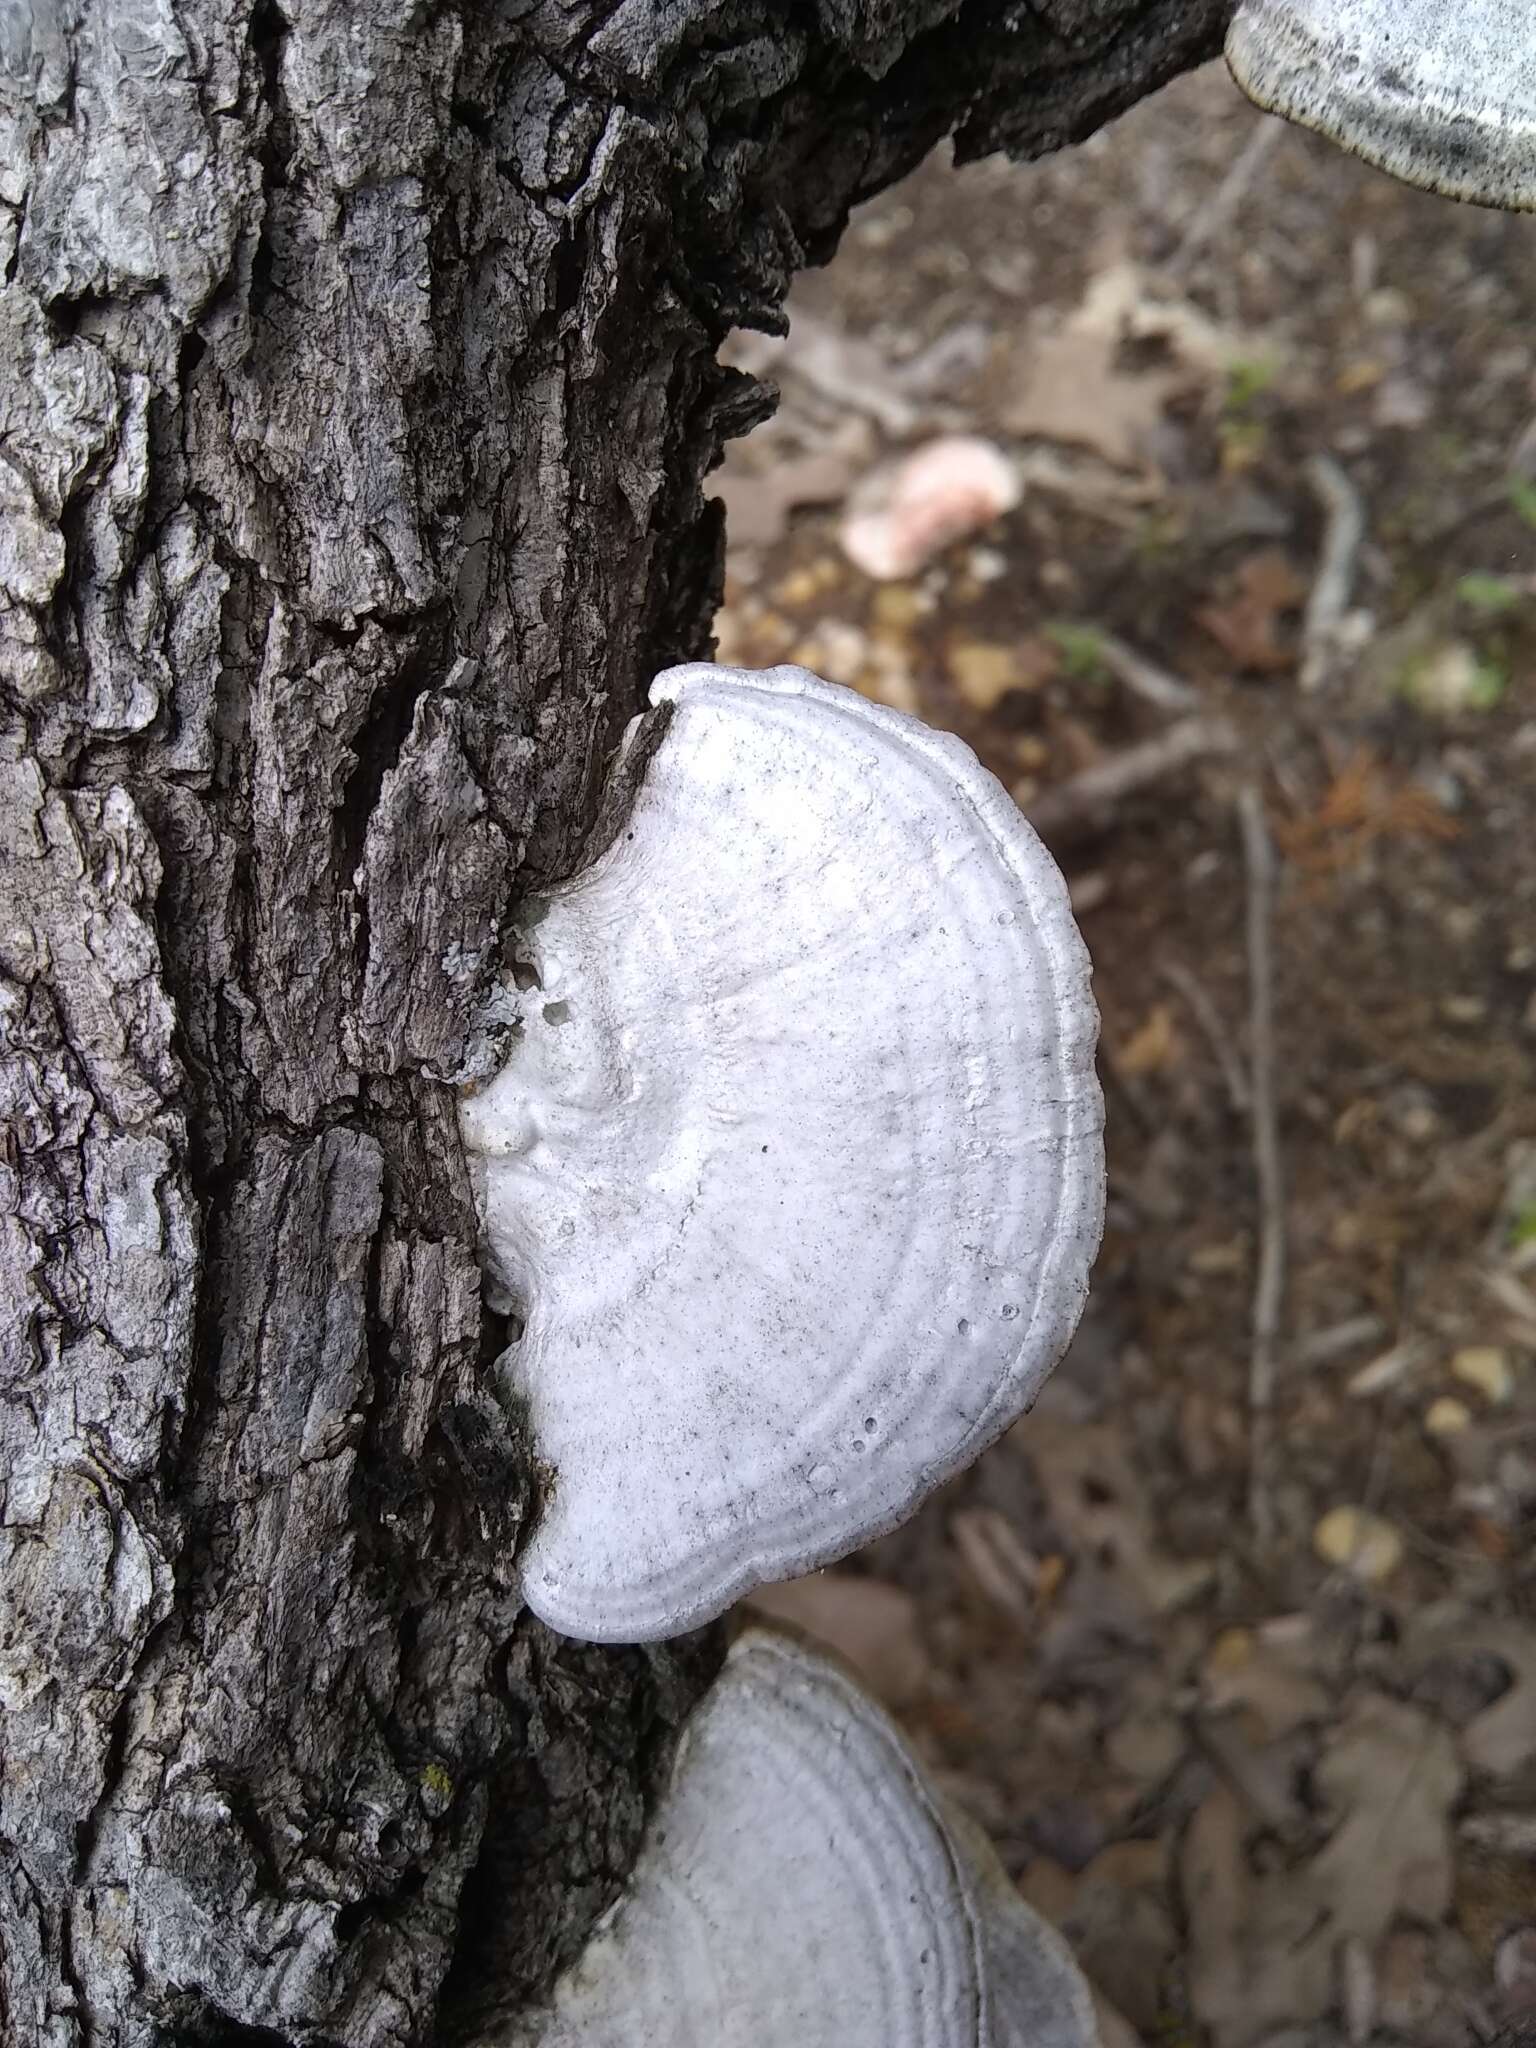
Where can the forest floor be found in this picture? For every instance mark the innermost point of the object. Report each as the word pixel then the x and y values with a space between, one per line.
pixel 1242 1686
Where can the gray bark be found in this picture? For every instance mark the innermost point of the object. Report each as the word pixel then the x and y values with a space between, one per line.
pixel 357 386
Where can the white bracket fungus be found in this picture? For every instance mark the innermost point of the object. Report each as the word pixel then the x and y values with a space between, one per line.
pixel 1439 95
pixel 800 1886
pixel 796 1165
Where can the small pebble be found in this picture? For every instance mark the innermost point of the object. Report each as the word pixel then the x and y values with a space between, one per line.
pixel 1232 1649
pixel 1362 1543
pixel 898 607
pixel 1463 1009
pixel 1388 307
pixel 1486 1367
pixel 1446 682
pixel 985 671
pixel 1447 1417
pixel 801 585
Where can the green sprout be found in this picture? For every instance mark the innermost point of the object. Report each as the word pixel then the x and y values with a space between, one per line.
pixel 1081 649
pixel 1522 1226
pixel 1490 595
pixel 1247 382
pixel 1488 685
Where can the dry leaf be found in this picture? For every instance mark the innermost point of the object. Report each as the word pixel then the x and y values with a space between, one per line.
pixel 1514 1971
pixel 758 503
pixel 1250 1971
pixel 1265 1947
pixel 1002 1565
pixel 1500 1739
pixel 1393 1774
pixel 1486 1367
pixel 1146 1745
pixel 871 1624
pixel 1152 1046
pixel 1116 1915
pixel 1361 804
pixel 1240 1671
pixel 1406 1992
pixel 1077 387
pixel 1097 1503
pixel 984 671
pixel 1248 625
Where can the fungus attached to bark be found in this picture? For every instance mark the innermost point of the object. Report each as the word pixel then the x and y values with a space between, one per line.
pixel 801 1886
pixel 795 1169
pixel 1440 95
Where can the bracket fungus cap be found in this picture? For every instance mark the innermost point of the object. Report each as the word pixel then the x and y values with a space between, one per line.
pixel 1442 96
pixel 801 1885
pixel 796 1164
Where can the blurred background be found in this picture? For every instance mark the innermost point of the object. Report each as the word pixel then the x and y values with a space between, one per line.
pixel 1231 1646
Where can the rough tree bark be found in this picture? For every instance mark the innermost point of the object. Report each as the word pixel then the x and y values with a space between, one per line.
pixel 357 386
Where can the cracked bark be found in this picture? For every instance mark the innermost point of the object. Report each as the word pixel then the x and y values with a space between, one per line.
pixel 357 386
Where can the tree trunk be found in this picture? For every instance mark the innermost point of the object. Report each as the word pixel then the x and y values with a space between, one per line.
pixel 357 385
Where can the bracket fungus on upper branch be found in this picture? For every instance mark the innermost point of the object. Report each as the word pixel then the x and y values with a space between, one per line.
pixel 801 1886
pixel 1442 96
pixel 796 1164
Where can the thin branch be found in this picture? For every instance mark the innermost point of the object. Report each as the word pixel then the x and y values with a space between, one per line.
pixel 1334 584
pixel 1214 1031
pixel 1143 677
pixel 1269 1283
pixel 1087 801
pixel 1327 1347
pixel 1218 210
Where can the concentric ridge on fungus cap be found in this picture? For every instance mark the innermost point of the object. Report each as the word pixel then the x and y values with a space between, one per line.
pixel 801 1886
pixel 1440 95
pixel 797 1164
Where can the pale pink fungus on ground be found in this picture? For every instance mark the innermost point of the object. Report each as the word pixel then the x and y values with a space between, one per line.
pixel 906 512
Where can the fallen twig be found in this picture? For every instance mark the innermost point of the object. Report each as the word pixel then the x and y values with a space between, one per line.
pixel 1086 801
pixel 1228 195
pixel 1390 1369
pixel 1144 678
pixel 1214 1031
pixel 1518 1302
pixel 1333 586
pixel 1327 1347
pixel 1269 1284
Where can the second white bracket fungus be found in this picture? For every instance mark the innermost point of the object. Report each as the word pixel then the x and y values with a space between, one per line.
pixel 1440 95
pixel 801 1886
pixel 796 1167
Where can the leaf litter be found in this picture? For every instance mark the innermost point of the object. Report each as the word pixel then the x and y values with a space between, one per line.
pixel 1273 1798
